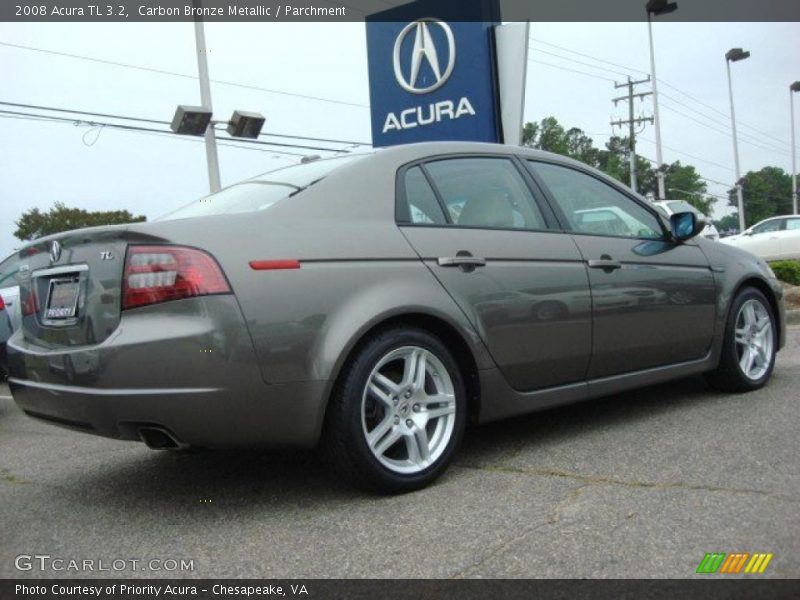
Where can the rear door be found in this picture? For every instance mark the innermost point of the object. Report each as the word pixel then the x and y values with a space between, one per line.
pixel 790 239
pixel 476 224
pixel 653 300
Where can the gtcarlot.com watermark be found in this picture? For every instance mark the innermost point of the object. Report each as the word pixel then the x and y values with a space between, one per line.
pixel 61 564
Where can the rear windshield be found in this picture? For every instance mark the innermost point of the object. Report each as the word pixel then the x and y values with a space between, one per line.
pixel 262 191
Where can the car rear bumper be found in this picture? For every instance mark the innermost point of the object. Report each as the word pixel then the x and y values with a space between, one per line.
pixel 185 367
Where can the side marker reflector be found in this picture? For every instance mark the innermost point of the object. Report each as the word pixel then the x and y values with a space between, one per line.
pixel 271 265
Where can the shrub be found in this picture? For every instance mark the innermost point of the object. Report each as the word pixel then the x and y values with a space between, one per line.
pixel 787 271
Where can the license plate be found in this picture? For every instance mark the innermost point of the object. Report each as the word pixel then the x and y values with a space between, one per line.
pixel 62 299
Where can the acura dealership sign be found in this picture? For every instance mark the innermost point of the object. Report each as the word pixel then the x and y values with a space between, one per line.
pixel 431 80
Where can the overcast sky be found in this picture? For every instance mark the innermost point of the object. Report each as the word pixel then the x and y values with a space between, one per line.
pixel 41 162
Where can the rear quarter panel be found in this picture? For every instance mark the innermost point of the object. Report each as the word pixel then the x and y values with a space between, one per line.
pixel 357 269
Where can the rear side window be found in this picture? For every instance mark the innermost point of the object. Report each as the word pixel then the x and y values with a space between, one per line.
pixel 793 224
pixel 485 192
pixel 423 207
pixel 774 225
pixel 594 207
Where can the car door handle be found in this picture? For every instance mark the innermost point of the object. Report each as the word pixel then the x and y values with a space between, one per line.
pixel 606 264
pixel 461 261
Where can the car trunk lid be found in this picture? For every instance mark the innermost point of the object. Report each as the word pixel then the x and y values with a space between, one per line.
pixel 70 286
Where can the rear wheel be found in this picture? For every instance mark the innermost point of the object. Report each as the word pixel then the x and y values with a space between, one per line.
pixel 748 351
pixel 399 413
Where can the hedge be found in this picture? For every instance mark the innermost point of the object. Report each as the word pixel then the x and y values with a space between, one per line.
pixel 787 270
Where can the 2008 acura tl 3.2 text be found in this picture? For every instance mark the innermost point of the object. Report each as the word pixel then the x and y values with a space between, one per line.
pixel 377 303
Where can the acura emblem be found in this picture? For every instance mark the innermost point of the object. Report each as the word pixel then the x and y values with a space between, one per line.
pixel 55 251
pixel 424 48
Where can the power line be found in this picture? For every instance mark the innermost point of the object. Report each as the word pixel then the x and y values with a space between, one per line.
pixel 159 122
pixel 183 75
pixel 135 128
pixel 743 136
pixel 112 116
pixel 589 56
pixel 721 166
pixel 144 131
pixel 757 145
pixel 585 64
pixel 666 83
pixel 563 68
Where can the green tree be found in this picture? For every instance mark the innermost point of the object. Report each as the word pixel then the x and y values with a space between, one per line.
pixel 550 135
pixel 34 223
pixel 766 193
pixel 683 182
pixel 728 222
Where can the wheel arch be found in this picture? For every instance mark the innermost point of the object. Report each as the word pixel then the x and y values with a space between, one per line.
pixel 763 287
pixel 450 334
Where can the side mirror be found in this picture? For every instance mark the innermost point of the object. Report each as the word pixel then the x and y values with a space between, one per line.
pixel 686 225
pixel 748 232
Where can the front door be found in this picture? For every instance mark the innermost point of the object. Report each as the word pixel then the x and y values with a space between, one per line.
pixel 653 300
pixel 524 287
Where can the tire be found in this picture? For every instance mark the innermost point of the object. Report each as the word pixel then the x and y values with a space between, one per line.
pixel 743 335
pixel 384 431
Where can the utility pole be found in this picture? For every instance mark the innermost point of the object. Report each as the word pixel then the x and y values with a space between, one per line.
pixel 205 99
pixel 631 121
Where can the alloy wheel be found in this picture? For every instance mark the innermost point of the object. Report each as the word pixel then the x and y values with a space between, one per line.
pixel 408 409
pixel 754 339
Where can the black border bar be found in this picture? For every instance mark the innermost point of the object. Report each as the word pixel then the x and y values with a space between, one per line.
pixel 712 588
pixel 65 11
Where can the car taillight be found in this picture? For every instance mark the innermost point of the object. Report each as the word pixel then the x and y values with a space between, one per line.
pixel 2 303
pixel 161 273
pixel 31 304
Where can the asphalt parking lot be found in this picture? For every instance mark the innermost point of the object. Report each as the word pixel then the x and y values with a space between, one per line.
pixel 641 484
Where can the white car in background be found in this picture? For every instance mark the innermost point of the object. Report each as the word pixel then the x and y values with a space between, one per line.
pixel 776 238
pixel 675 206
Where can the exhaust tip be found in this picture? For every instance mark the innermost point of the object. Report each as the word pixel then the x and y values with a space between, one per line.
pixel 159 438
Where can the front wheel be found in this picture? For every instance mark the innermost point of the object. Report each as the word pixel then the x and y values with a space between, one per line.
pixel 748 351
pixel 398 414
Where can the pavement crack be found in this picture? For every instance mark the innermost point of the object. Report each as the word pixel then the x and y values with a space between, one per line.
pixel 602 480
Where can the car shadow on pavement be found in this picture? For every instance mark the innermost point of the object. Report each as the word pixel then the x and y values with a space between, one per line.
pixel 162 480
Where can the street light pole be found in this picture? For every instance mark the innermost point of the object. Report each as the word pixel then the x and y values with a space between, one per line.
pixel 795 87
pixel 655 8
pixel 656 120
pixel 734 55
pixel 205 99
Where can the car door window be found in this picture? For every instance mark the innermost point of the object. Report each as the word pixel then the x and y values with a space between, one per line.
pixel 793 224
pixel 767 227
pixel 485 192
pixel 421 205
pixel 594 207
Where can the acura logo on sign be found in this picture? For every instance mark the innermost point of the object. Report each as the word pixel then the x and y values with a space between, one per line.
pixel 424 49
pixel 55 251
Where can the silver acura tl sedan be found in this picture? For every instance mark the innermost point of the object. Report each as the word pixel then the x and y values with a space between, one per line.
pixel 375 304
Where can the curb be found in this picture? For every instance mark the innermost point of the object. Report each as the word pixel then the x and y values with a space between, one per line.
pixel 793 317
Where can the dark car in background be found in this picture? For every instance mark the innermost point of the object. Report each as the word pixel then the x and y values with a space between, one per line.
pixel 376 304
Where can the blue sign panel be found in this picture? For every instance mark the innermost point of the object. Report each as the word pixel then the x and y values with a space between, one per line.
pixel 432 80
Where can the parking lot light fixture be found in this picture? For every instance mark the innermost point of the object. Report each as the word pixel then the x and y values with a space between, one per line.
pixel 190 120
pixel 245 124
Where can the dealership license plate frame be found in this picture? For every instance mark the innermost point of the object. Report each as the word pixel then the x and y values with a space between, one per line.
pixel 65 310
